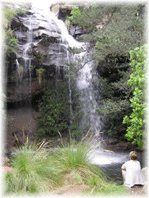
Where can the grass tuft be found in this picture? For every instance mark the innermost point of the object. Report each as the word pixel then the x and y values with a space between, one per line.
pixel 33 171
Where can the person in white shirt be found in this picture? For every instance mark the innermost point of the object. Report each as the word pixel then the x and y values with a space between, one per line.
pixel 131 171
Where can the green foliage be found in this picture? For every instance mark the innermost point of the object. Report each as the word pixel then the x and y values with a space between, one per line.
pixel 9 13
pixel 74 13
pixel 40 58
pixel 54 111
pixel 34 171
pixel 40 73
pixel 109 106
pixel 123 33
pixel 11 42
pixel 137 81
pixel 112 28
pixel 75 161
pixel 20 12
pixel 113 111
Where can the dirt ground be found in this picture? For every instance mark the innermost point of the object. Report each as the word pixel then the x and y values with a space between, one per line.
pixel 78 189
pixel 75 189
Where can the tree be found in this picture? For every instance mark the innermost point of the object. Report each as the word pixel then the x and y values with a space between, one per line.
pixel 137 81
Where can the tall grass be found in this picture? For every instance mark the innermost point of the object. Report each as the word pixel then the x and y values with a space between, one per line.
pixel 73 156
pixel 35 170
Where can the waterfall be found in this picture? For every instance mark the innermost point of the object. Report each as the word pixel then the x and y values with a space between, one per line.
pixel 27 47
pixel 86 78
pixel 88 97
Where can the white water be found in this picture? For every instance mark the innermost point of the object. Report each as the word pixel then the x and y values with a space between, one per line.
pixel 99 157
pixel 26 47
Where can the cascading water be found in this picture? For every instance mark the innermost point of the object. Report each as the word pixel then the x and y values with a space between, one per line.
pixel 84 80
pixel 88 97
pixel 27 46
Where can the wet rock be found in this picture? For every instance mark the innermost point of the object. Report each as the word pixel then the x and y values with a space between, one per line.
pixel 46 41
pixel 117 145
pixel 112 141
pixel 17 24
pixel 45 33
pixel 21 36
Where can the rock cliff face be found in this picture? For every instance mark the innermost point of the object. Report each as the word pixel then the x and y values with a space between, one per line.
pixel 40 45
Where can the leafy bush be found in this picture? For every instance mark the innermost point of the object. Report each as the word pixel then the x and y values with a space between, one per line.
pixel 75 161
pixel 137 81
pixel 74 13
pixel 73 156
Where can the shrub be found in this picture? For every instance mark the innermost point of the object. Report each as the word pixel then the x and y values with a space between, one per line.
pixel 54 111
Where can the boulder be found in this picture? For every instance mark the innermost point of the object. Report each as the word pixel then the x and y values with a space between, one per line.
pixel 62 9
pixel 55 7
pixel 75 31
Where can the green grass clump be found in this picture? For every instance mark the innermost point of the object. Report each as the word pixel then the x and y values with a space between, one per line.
pixel 73 156
pixel 34 171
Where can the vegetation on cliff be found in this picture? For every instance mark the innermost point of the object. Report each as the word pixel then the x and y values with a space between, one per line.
pixel 10 41
pixel 54 110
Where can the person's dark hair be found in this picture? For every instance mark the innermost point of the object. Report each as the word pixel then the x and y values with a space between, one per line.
pixel 133 155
